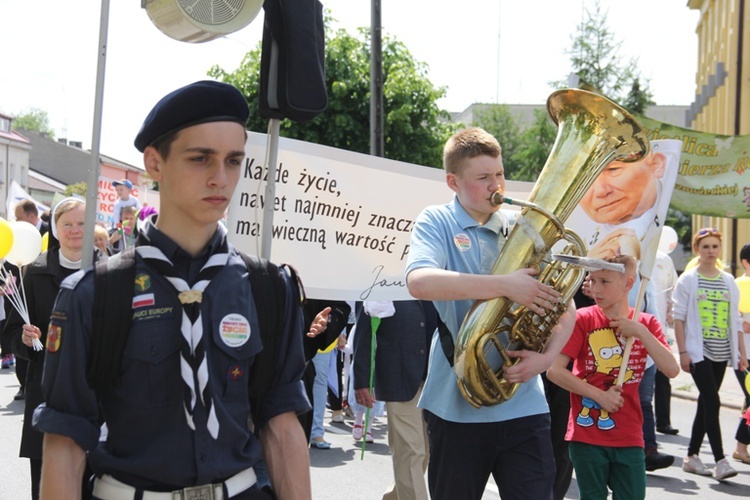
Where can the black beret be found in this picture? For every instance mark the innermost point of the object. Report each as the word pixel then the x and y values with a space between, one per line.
pixel 200 102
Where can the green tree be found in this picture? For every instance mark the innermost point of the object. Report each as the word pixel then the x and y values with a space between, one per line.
pixel 415 127
pixel 78 188
pixel 498 120
pixel 34 119
pixel 596 58
pixel 535 144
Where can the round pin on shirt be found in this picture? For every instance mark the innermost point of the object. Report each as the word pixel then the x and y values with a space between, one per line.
pixel 462 242
pixel 234 330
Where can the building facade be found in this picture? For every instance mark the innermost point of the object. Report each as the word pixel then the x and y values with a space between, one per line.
pixel 723 96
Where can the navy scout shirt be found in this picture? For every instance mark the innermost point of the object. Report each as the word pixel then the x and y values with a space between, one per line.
pixel 149 444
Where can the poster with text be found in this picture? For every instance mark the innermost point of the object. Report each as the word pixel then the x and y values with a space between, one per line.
pixel 342 219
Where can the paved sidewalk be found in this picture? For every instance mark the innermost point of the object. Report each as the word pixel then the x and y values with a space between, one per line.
pixel 730 393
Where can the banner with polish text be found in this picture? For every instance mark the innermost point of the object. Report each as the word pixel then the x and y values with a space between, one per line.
pixel 342 219
pixel 713 176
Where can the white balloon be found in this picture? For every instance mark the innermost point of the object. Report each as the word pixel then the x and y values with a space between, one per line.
pixel 668 239
pixel 27 244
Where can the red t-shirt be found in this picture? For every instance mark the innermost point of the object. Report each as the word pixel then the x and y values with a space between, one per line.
pixel 596 352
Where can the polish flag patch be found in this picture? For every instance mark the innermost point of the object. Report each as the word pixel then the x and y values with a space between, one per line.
pixel 143 300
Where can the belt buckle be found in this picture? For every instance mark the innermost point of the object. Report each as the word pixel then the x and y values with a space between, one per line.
pixel 205 492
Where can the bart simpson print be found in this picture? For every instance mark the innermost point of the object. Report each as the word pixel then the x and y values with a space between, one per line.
pixel 607 353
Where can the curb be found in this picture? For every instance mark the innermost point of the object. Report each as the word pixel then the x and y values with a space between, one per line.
pixel 694 397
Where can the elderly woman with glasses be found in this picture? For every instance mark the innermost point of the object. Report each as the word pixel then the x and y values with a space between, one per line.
pixel 708 331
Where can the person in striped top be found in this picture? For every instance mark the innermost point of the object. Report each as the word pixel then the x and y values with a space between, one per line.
pixel 708 332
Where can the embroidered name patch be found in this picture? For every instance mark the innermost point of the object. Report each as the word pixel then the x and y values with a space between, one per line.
pixel 234 330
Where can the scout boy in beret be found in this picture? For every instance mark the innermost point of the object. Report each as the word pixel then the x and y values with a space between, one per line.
pixel 177 418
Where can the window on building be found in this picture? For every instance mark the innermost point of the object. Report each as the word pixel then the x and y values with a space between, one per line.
pixel 4 124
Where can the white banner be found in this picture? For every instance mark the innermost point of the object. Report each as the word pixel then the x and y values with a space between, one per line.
pixel 16 194
pixel 342 219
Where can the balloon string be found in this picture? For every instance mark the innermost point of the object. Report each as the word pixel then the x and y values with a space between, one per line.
pixel 16 297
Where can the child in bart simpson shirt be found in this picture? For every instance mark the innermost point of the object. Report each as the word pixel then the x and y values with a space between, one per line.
pixel 605 424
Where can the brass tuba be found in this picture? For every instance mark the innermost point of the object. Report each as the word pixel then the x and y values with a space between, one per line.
pixel 592 132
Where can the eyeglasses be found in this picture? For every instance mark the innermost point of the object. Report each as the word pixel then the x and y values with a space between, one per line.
pixel 708 231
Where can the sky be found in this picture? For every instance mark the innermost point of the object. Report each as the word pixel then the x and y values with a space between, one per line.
pixel 505 51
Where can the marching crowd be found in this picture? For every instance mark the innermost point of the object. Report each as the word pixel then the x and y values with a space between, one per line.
pixel 179 367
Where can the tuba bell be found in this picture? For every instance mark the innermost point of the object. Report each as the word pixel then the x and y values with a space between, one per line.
pixel 592 132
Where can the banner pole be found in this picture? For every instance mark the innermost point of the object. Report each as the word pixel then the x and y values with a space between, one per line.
pixel 272 153
pixel 92 181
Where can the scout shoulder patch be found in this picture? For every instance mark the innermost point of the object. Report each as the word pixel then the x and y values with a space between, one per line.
pixel 142 282
pixel 54 337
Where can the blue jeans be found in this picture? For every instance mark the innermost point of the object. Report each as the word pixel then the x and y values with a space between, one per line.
pixel 320 392
pixel 646 394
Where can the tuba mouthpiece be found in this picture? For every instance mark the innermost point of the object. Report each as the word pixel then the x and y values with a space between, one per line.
pixel 497 198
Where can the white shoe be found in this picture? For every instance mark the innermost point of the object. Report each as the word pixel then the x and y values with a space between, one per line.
pixel 357 432
pixel 694 465
pixel 337 418
pixel 724 470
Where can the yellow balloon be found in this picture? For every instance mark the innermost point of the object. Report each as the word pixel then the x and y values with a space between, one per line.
pixel 45 241
pixel 6 238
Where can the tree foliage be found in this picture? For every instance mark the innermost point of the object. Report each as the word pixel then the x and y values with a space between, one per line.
pixel 415 128
pixel 596 58
pixel 78 188
pixel 536 144
pixel 34 119
pixel 498 120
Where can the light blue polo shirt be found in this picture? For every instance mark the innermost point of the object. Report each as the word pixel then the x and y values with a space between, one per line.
pixel 446 237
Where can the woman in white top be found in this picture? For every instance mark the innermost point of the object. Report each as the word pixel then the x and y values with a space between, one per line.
pixel 708 333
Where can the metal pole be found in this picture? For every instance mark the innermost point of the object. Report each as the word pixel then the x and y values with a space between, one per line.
pixel 733 257
pixel 377 147
pixel 272 153
pixel 92 182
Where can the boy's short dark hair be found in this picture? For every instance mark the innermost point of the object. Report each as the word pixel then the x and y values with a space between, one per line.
pixel 468 143
pixel 745 252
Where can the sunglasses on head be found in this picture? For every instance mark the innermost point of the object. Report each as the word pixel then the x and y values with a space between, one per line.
pixel 708 231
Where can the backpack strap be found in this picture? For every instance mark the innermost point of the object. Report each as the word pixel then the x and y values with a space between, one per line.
pixel 269 292
pixel 446 340
pixel 114 280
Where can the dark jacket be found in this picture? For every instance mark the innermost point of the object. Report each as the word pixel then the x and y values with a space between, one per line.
pixel 41 281
pixel 401 353
pixel 336 323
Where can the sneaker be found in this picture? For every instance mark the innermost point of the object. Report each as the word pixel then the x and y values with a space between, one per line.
pixel 357 432
pixel 724 470
pixel 320 444
pixel 5 363
pixel 656 460
pixel 694 465
pixel 337 417
pixel 370 439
